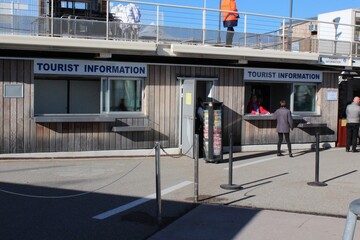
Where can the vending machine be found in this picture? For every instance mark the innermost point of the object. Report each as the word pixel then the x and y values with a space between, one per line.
pixel 213 127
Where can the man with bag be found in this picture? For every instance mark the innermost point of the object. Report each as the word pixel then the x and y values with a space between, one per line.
pixel 230 19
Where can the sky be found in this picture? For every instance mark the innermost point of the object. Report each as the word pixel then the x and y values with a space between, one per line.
pixel 301 8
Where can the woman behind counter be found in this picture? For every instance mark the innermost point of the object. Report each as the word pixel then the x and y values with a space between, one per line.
pixel 254 106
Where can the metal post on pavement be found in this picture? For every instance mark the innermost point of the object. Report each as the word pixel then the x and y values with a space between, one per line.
pixel 158 185
pixel 317 163
pixel 196 169
pixel 230 185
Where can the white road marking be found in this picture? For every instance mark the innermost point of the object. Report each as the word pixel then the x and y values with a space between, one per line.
pixel 252 163
pixel 135 203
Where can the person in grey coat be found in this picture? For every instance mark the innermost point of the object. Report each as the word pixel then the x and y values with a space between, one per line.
pixel 352 124
pixel 284 123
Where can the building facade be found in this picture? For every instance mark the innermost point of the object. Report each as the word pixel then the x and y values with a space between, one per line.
pixel 65 93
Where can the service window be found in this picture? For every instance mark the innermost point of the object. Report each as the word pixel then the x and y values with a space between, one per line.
pixel 121 95
pixel 300 97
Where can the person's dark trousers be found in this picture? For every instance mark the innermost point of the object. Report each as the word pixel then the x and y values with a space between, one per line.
pixel 287 138
pixel 352 132
pixel 229 36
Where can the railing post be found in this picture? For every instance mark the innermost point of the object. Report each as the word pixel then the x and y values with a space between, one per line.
pixel 107 19
pixel 157 23
pixel 245 29
pixel 52 19
pixel 204 23
pixel 158 183
pixel 219 27
pixel 283 34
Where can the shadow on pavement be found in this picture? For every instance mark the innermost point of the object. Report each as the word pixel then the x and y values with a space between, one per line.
pixel 53 214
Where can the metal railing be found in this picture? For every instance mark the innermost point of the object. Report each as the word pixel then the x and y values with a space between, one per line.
pixel 166 23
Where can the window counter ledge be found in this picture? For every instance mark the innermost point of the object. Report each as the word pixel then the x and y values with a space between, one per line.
pixel 254 117
pixel 86 118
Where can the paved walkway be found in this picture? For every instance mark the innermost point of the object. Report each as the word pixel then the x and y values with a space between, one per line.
pixel 303 212
pixel 219 222
pixel 275 203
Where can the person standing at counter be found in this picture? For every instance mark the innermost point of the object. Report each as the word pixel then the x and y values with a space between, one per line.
pixel 254 106
pixel 352 124
pixel 284 123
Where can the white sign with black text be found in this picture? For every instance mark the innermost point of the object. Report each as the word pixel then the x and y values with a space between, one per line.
pixel 281 75
pixel 93 68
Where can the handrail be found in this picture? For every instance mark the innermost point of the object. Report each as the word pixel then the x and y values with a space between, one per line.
pixel 204 28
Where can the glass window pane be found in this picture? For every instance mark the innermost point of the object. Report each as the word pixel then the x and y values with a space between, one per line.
pixel 125 95
pixel 105 95
pixel 304 98
pixel 84 96
pixel 51 96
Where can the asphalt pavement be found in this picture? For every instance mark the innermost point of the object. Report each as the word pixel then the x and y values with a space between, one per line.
pixel 62 198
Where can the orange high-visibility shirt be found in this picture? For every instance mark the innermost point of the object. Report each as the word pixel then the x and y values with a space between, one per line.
pixel 228 5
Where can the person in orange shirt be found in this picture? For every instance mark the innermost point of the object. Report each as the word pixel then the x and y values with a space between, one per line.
pixel 230 19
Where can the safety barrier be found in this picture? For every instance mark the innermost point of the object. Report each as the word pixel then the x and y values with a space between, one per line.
pixel 164 23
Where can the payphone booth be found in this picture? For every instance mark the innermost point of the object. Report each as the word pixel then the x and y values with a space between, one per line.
pixel 213 128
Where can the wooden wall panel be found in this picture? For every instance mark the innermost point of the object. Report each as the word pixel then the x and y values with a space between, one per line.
pixel 6 111
pixel 19 132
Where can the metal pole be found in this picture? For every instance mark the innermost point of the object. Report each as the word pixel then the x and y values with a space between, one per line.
pixel 245 29
pixel 52 18
pixel 219 38
pixel 230 160
pixel 158 185
pixel 196 169
pixel 107 19
pixel 157 23
pixel 350 226
pixel 283 34
pixel 230 185
pixel 290 25
pixel 204 24
pixel 317 163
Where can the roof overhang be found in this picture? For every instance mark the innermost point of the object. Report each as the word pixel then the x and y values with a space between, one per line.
pixel 243 53
pixel 76 45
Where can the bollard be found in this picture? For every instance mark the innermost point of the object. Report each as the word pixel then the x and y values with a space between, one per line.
pixel 317 164
pixel 158 185
pixel 230 185
pixel 196 169
pixel 351 219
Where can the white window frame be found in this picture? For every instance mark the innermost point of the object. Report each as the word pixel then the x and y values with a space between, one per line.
pixel 107 102
pixel 293 100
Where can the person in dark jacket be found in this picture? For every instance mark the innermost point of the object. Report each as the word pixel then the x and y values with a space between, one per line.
pixel 352 124
pixel 284 123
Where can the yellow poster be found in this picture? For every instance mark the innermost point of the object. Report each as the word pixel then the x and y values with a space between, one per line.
pixel 188 99
pixel 343 122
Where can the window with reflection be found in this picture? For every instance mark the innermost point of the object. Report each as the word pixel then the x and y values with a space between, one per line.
pixel 304 98
pixel 121 95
